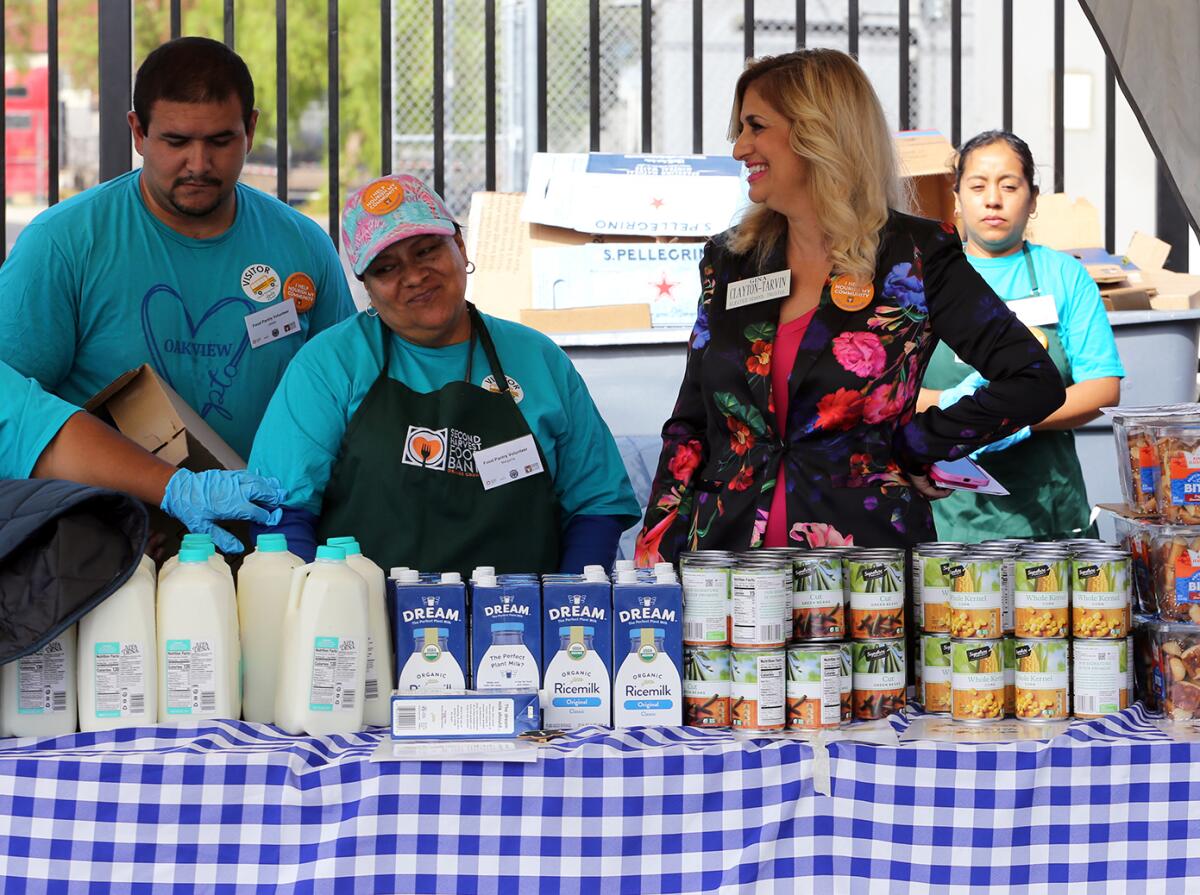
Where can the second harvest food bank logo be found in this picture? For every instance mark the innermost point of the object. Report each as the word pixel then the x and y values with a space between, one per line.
pixel 445 450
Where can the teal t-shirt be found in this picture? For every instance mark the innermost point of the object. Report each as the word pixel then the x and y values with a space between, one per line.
pixel 1083 327
pixel 30 420
pixel 97 285
pixel 302 431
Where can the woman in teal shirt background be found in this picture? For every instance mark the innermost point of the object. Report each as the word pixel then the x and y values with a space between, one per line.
pixel 995 196
pixel 377 428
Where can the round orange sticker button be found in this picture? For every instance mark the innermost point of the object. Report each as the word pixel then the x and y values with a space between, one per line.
pixel 849 294
pixel 382 196
pixel 301 289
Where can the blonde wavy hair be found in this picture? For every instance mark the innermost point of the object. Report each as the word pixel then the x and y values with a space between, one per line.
pixel 838 128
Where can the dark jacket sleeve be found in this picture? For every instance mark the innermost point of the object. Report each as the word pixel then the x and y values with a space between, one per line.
pixel 1023 385
pixel 684 452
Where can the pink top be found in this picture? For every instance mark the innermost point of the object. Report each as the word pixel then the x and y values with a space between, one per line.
pixel 783 358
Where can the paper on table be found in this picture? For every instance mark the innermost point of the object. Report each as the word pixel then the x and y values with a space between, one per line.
pixel 458 750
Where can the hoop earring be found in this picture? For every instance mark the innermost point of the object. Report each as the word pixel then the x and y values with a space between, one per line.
pixel 371 312
pixel 470 267
pixel 1033 217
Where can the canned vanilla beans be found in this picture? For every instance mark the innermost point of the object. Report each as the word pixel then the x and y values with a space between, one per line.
pixel 818 612
pixel 846 682
pixel 976 680
pixel 930 566
pixel 879 678
pixel 935 673
pixel 707 682
pixel 876 595
pixel 705 579
pixel 1042 679
pixel 757 695
pixel 814 673
pixel 1042 596
pixel 762 602
pixel 975 597
pixel 1100 680
pixel 1100 595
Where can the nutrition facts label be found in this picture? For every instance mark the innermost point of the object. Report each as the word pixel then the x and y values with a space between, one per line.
pixel 333 671
pixel 191 677
pixel 43 681
pixel 120 682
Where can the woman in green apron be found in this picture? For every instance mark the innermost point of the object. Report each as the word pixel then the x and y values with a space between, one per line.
pixel 1051 292
pixel 440 437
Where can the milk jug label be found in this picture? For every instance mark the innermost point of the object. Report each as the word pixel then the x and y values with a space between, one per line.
pixel 334 663
pixel 191 677
pixel 120 683
pixel 43 681
pixel 372 686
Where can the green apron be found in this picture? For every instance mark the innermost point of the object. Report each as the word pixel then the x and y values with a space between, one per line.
pixel 404 482
pixel 1047 496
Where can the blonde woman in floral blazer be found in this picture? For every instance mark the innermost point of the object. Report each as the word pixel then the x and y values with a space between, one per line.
pixel 872 292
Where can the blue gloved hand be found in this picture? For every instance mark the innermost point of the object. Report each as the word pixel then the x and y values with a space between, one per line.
pixel 951 396
pixel 198 498
pixel 1003 444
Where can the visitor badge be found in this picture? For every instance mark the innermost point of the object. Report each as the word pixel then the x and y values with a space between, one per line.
pixel 756 289
pixel 508 462
pixel 270 324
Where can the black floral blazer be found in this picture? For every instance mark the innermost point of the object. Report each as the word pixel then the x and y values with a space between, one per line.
pixel 853 435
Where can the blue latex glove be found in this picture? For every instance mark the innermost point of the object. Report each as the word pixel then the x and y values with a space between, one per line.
pixel 198 498
pixel 1003 444
pixel 951 396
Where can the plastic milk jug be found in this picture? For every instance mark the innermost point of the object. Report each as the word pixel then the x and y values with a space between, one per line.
pixel 203 541
pixel 377 706
pixel 431 633
pixel 323 662
pixel 37 692
pixel 118 648
pixel 198 648
pixel 263 583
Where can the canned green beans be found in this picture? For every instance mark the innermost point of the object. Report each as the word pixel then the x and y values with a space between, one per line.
pixel 818 612
pixel 814 686
pixel 707 682
pixel 846 683
pixel 879 678
pixel 705 578
pixel 757 693
pixel 876 594
pixel 762 602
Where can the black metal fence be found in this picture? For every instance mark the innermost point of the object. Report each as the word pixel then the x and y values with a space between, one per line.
pixel 116 62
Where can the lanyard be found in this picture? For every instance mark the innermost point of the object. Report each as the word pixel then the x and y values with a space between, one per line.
pixel 1033 282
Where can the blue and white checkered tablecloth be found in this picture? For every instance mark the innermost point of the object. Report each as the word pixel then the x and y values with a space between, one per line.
pixel 1111 806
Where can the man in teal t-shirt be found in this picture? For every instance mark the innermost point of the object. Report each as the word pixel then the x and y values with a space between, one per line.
pixel 214 284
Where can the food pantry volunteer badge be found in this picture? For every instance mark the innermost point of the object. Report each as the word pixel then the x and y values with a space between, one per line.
pixel 301 289
pixel 261 283
pixel 425 448
pixel 514 387
pixel 850 294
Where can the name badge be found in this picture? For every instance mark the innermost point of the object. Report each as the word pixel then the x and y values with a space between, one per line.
pixel 1035 310
pixel 508 462
pixel 756 289
pixel 273 323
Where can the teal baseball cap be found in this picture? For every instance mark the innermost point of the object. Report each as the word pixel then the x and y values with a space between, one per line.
pixel 387 210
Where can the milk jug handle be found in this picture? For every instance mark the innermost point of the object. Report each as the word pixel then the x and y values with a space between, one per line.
pixel 299 574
